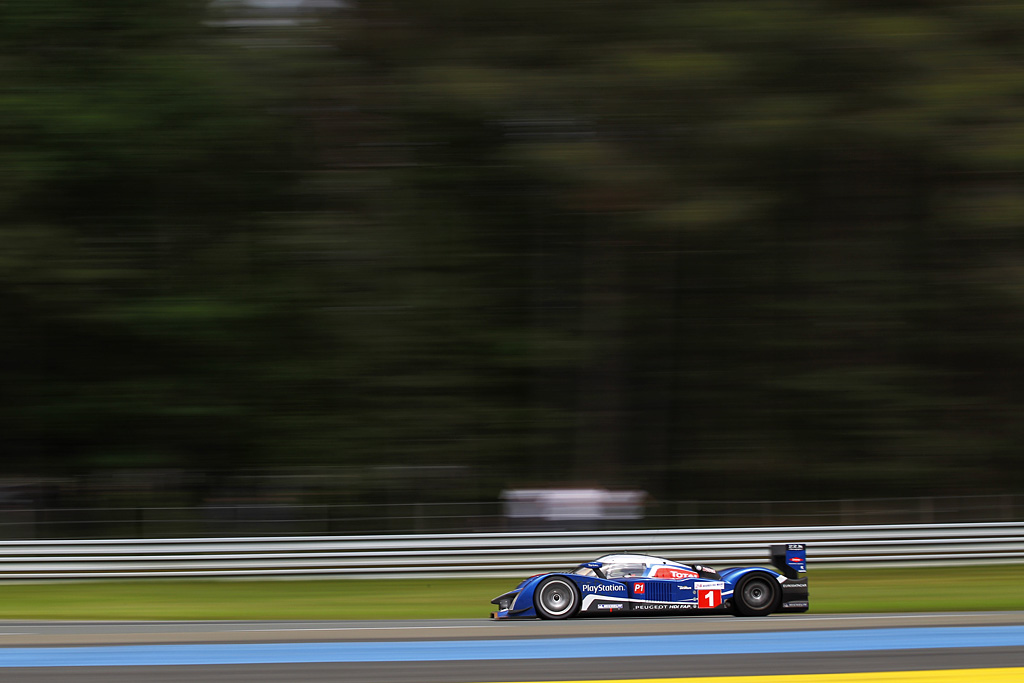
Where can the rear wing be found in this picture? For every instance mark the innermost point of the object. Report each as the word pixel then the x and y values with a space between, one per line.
pixel 790 559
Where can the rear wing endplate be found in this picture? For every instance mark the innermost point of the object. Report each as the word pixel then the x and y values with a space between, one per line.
pixel 790 559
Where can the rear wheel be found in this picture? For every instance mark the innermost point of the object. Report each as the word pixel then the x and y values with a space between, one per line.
pixel 556 598
pixel 756 595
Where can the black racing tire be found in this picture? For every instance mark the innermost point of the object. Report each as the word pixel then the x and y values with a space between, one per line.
pixel 756 595
pixel 556 598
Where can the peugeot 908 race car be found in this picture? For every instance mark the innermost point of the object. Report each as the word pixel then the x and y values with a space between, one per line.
pixel 641 584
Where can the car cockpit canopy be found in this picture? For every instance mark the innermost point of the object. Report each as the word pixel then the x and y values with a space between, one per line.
pixel 641 566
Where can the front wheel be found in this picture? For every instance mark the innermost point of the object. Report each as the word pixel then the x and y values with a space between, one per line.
pixel 756 596
pixel 556 598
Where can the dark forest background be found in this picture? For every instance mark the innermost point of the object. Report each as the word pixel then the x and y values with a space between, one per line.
pixel 743 248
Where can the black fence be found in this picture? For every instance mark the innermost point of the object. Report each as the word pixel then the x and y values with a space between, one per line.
pixel 255 518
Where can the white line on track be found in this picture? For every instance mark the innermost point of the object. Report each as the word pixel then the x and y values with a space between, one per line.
pixel 836 617
pixel 542 629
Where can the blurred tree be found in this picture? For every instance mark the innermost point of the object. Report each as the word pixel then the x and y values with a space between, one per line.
pixel 138 156
pixel 730 247
pixel 733 248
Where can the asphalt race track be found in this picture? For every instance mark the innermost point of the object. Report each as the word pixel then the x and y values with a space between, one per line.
pixel 481 651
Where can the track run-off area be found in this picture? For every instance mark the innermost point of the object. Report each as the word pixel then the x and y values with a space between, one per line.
pixel 807 648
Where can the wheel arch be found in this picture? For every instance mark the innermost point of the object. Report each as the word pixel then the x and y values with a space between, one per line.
pixel 567 579
pixel 739 581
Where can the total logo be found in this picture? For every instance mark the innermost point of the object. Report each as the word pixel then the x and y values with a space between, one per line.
pixel 671 573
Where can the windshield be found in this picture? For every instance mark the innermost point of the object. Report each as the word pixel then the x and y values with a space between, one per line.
pixel 618 571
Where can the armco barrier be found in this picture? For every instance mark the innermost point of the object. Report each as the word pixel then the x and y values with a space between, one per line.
pixel 501 554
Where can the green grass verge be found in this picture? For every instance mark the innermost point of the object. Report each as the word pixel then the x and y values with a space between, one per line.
pixel 832 591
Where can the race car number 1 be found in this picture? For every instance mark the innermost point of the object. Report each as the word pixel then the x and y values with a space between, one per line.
pixel 709 598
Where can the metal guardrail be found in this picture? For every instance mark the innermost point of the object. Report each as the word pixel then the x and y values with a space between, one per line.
pixel 501 554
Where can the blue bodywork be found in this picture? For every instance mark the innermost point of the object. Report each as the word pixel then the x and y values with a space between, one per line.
pixel 611 592
pixel 660 586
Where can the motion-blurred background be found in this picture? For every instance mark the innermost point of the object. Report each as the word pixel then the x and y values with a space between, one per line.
pixel 273 261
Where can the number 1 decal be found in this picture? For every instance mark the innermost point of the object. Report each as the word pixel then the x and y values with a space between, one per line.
pixel 638 588
pixel 709 598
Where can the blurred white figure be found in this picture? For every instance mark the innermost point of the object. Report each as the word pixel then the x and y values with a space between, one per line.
pixel 572 505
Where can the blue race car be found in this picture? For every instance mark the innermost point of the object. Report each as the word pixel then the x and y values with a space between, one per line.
pixel 641 584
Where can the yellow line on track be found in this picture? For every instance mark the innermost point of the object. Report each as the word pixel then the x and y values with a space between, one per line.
pixel 1008 675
